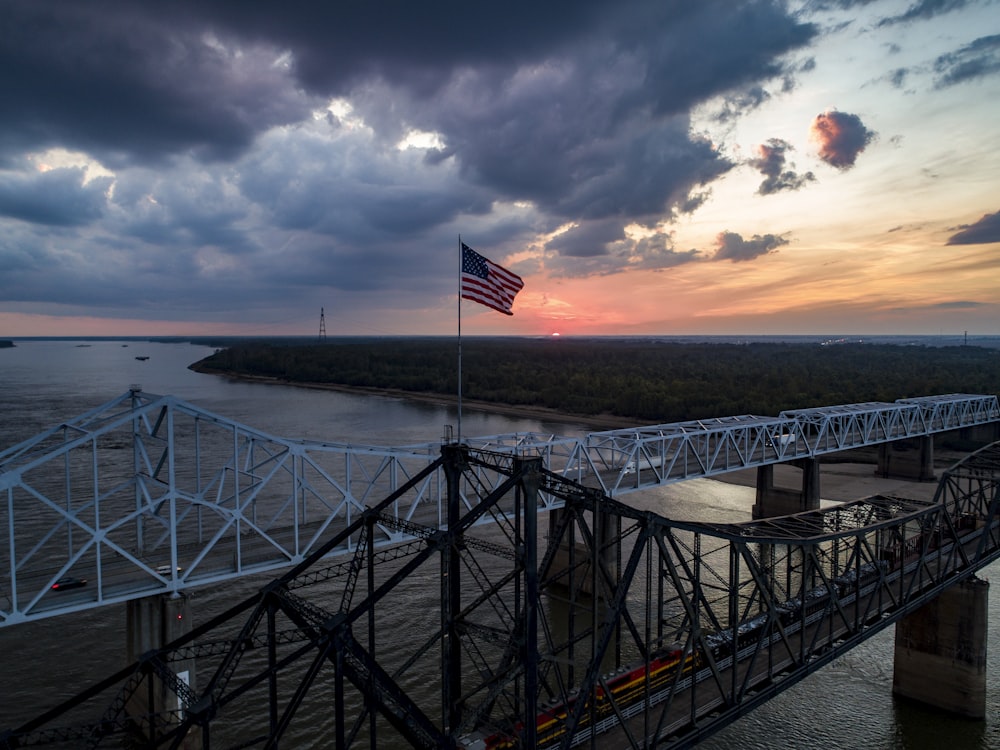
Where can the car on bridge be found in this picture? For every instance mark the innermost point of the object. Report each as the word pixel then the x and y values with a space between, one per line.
pixel 64 584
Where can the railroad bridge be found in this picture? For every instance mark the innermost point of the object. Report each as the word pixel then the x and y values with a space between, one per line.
pixel 607 620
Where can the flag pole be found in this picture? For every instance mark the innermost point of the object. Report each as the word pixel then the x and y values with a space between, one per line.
pixel 460 339
pixel 488 284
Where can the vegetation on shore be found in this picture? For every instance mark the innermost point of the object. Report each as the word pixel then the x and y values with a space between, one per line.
pixel 645 380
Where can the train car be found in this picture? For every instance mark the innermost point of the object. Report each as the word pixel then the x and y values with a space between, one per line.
pixel 861 577
pixel 625 688
pixel 721 643
pixel 622 689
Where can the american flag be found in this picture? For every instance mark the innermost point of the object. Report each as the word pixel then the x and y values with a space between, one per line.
pixel 485 282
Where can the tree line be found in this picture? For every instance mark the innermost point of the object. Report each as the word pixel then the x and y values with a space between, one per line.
pixel 650 381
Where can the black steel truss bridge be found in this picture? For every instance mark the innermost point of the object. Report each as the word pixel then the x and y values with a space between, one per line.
pixel 602 626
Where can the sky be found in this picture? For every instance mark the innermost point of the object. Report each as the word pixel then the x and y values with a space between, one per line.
pixel 671 167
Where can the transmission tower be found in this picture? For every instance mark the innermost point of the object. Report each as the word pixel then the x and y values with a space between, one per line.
pixel 322 325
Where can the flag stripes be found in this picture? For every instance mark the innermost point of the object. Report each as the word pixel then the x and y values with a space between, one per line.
pixel 487 283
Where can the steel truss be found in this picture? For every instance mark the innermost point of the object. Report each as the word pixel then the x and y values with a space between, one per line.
pixel 651 632
pixel 150 494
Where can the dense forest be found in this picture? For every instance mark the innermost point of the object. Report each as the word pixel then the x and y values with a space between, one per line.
pixel 642 379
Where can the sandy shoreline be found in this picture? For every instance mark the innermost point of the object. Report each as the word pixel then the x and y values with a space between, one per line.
pixel 599 422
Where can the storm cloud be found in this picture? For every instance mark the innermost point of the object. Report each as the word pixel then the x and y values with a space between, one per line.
pixel 232 139
pixel 229 160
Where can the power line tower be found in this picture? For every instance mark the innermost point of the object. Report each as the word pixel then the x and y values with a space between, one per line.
pixel 322 325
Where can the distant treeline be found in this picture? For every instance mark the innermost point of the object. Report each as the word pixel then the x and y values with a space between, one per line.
pixel 646 380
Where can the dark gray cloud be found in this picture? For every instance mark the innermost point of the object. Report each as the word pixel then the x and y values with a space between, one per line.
pixel 658 252
pixel 131 82
pixel 206 113
pixel 986 230
pixel 352 190
pixel 591 248
pixel 741 102
pixel 582 109
pixel 897 77
pixel 202 210
pixel 841 137
pixel 771 162
pixel 979 59
pixel 603 247
pixel 960 305
pixel 732 246
pixel 145 81
pixel 414 46
pixel 924 10
pixel 56 197
pixel 587 240
pixel 838 4
pixel 605 131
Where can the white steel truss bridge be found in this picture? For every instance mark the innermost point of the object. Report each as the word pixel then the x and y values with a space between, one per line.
pixel 150 494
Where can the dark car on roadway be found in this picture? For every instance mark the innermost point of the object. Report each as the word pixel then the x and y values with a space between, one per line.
pixel 69 582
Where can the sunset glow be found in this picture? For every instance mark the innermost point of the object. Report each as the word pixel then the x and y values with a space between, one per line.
pixel 648 168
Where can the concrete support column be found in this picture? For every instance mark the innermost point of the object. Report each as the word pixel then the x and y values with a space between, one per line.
pixel 607 537
pixel 610 539
pixel 773 501
pixel 982 433
pixel 151 623
pixel 940 657
pixel 907 459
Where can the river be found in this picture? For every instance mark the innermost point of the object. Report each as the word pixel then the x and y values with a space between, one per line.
pixel 848 704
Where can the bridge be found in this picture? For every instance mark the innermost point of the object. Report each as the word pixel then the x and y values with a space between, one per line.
pixel 150 494
pixel 624 624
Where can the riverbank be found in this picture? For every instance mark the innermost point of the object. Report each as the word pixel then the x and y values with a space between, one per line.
pixel 598 422
pixel 622 382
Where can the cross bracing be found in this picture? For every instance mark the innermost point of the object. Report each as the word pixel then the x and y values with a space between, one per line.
pixel 149 494
pixel 617 623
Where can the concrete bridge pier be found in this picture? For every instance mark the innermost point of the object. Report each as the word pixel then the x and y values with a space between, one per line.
pixel 907 459
pixel 606 529
pixel 151 623
pixel 981 433
pixel 940 656
pixel 775 501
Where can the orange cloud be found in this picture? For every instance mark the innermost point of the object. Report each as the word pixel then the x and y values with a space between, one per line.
pixel 841 137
